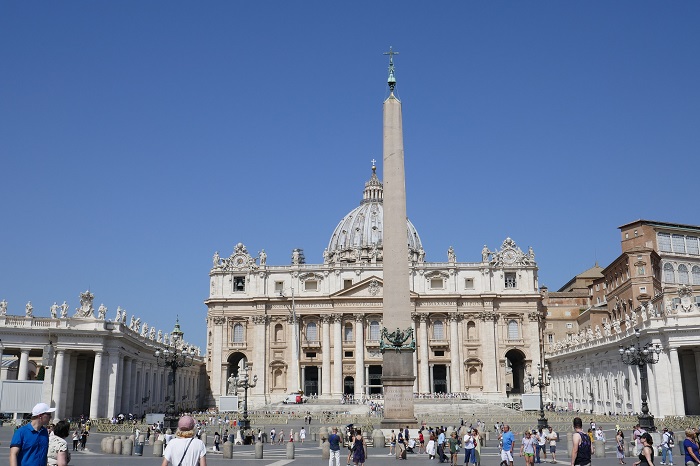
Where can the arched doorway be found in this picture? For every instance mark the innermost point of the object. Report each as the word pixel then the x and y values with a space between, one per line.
pixel 235 363
pixel 515 370
pixel 348 386
pixel 311 380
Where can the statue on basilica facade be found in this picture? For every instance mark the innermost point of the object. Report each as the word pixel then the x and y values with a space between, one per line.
pixel 54 310
pixel 159 338
pixel 485 253
pixel 152 334
pixel 3 308
pixel 451 256
pixel 326 256
pixel 421 255
pixel 144 330
pixel 216 260
pixel 64 310
pixel 29 309
pixel 296 257
pixel 101 312
pixel 263 257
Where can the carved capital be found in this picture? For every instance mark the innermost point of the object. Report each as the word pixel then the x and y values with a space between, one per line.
pixel 454 317
pixel 359 317
pixel 535 316
pixel 325 318
pixel 259 319
pixel 337 318
pixel 489 316
pixel 422 316
pixel 218 320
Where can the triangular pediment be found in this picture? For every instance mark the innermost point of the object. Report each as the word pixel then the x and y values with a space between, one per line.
pixel 369 288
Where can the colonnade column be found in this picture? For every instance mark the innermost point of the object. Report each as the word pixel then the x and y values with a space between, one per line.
pixel 96 385
pixel 675 379
pixel 337 385
pixel 326 356
pixel 455 347
pixel 23 369
pixel 126 385
pixel 359 354
pixel 424 383
pixel 58 383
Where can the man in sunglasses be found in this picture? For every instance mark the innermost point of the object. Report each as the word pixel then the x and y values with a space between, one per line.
pixel 30 443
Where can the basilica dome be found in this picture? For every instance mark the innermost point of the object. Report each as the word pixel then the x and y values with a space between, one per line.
pixel 358 236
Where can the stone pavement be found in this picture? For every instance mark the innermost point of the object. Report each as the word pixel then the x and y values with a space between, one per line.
pixel 307 454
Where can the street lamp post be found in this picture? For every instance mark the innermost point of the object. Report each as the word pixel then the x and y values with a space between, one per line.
pixel 540 382
pixel 640 356
pixel 174 357
pixel 245 383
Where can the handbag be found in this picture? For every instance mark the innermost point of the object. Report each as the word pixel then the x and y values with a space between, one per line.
pixel 185 452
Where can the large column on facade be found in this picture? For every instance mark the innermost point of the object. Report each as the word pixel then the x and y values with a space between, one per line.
pixel 58 383
pixel 326 356
pixel 424 348
pixel 23 369
pixel 490 377
pixel 359 355
pixel 216 362
pixel 455 348
pixel 96 386
pixel 259 356
pixel 398 375
pixel 294 370
pixel 676 382
pixel 415 356
pixel 337 385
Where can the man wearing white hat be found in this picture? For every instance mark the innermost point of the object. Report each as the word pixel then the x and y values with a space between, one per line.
pixel 30 443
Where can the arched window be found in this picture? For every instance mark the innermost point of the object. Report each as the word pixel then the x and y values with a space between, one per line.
pixel 347 336
pixel 374 330
pixel 311 331
pixel 683 275
pixel 513 333
pixel 669 276
pixel 696 275
pixel 438 330
pixel 238 333
pixel 279 333
pixel 471 330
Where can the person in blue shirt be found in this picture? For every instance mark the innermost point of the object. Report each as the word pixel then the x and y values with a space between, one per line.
pixel 507 438
pixel 30 443
pixel 334 444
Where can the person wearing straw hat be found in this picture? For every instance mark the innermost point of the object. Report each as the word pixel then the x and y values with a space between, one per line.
pixel 30 443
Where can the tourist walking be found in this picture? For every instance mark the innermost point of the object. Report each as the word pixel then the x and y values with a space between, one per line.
pixel 217 441
pixel 185 449
pixel 302 435
pixel 527 448
pixel 690 448
pixel 453 445
pixel 30 443
pixel 58 453
pixel 431 447
pixel 581 451
pixel 507 440
pixel 646 456
pixel 552 437
pixel 667 443
pixel 334 446
pixel 76 440
pixel 620 442
pixel 541 440
pixel 392 443
pixel 359 451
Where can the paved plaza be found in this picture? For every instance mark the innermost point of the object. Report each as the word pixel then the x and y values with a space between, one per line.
pixel 308 453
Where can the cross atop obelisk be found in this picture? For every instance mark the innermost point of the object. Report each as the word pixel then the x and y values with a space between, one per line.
pixel 392 80
pixel 398 342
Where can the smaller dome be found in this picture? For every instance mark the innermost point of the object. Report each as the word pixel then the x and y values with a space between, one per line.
pixel 358 236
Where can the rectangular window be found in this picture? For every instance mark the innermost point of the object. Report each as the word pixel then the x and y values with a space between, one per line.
pixel 468 283
pixel 279 287
pixel 550 326
pixel 692 243
pixel 678 243
pixel 643 289
pixel 664 242
pixel 569 325
pixel 311 355
pixel 597 287
pixel 437 283
pixel 311 285
pixel 348 354
pixel 439 353
pixel 550 338
pixel 238 283
pixel 510 280
pixel 347 283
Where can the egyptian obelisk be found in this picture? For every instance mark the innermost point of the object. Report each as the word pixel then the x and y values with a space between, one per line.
pixel 397 367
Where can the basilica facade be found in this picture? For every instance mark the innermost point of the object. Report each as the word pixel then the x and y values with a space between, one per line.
pixel 316 327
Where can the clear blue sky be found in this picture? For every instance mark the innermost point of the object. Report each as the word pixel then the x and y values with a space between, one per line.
pixel 137 138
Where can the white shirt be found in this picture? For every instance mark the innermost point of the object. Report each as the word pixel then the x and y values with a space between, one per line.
pixel 468 442
pixel 176 448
